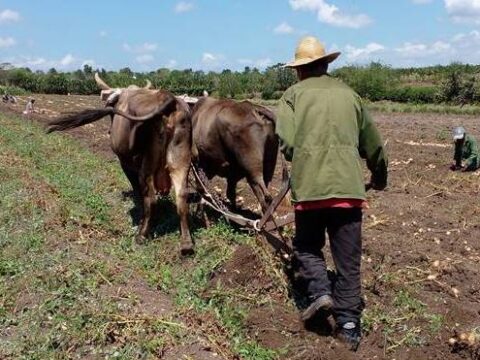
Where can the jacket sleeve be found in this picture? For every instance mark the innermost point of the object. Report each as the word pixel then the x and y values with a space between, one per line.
pixel 285 127
pixel 471 161
pixel 371 148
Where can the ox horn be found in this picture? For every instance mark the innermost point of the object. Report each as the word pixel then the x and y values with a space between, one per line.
pixel 149 85
pixel 101 84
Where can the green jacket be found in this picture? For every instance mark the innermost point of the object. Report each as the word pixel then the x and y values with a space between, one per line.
pixel 467 152
pixel 325 130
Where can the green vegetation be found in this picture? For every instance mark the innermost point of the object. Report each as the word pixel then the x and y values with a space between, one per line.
pixel 72 282
pixel 452 84
pixel 407 322
pixel 392 107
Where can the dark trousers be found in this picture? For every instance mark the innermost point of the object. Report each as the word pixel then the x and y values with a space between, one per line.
pixel 344 232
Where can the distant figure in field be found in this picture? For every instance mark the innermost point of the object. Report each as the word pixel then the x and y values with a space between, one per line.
pixel 7 98
pixel 30 107
pixel 466 155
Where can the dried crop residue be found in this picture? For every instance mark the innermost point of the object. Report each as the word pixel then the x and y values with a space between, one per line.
pixel 275 326
pixel 427 215
pixel 135 297
pixel 245 269
pixel 194 351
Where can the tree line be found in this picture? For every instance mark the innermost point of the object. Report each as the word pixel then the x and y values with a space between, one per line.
pixel 455 83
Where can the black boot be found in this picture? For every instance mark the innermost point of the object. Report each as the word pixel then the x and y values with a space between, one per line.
pixel 350 333
pixel 322 303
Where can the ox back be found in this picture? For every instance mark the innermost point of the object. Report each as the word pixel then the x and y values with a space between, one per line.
pixel 236 140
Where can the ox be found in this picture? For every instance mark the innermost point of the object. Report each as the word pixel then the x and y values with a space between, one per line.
pixel 236 140
pixel 151 133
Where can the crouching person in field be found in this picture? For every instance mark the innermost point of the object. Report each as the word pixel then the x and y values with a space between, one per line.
pixel 30 107
pixel 466 154
pixel 324 131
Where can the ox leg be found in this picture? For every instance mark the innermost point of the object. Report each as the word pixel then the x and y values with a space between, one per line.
pixel 232 192
pixel 260 190
pixel 133 178
pixel 149 200
pixel 180 183
pixel 200 207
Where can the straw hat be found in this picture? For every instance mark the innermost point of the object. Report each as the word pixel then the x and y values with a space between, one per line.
pixel 309 49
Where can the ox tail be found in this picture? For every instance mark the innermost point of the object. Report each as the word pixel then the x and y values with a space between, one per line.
pixel 75 120
pixel 271 143
pixel 270 156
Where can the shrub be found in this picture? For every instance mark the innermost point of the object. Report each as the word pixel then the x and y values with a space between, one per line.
pixel 372 82
pixel 414 94
pixel 12 90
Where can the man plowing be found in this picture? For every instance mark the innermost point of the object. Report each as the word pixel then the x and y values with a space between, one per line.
pixel 324 131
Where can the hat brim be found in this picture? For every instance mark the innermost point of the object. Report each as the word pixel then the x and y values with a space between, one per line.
pixel 458 137
pixel 328 58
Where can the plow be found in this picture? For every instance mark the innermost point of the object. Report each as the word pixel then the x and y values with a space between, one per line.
pixel 268 228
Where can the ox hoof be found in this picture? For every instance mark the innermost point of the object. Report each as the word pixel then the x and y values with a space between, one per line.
pixel 187 250
pixel 141 240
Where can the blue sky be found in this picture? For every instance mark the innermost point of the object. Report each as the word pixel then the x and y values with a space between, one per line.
pixel 216 34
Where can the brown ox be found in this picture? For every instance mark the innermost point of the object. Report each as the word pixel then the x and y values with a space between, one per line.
pixel 151 134
pixel 236 140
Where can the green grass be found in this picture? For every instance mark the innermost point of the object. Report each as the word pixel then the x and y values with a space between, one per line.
pixel 407 322
pixel 66 234
pixel 394 107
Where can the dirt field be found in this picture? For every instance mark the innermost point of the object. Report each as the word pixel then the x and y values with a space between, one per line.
pixel 421 255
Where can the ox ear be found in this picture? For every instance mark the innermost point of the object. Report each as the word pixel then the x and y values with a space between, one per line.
pixel 105 94
pixel 111 96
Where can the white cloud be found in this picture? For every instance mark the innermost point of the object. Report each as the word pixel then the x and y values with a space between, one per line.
pixel 259 63
pixel 420 50
pixel 35 61
pixel 89 62
pixel 463 10
pixel 140 49
pixel 144 59
pixel 171 64
pixel 213 61
pixel 284 28
pixel 331 14
pixel 183 7
pixel 365 53
pixel 472 39
pixel 30 62
pixel 209 58
pixel 67 60
pixel 263 63
pixel 9 16
pixel 245 61
pixel 7 42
